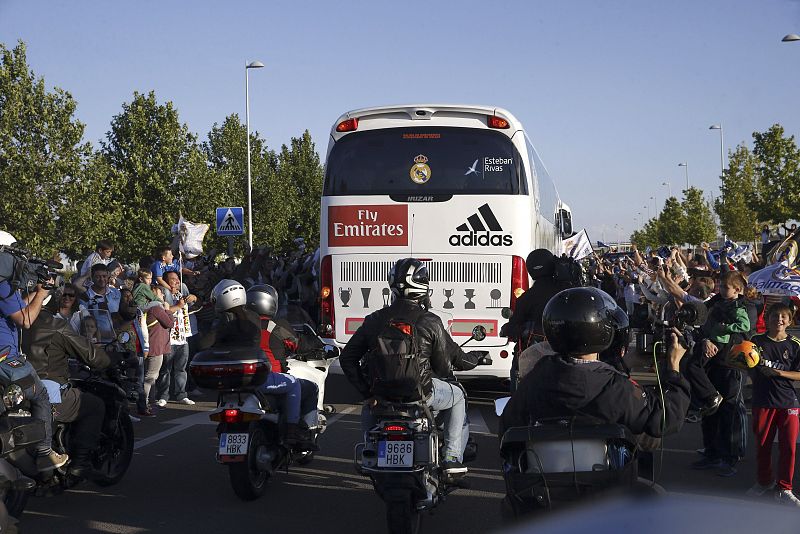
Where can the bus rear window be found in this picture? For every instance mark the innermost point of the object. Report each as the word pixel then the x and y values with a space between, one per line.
pixel 425 161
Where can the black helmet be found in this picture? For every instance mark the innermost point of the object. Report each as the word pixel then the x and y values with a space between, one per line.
pixel 622 337
pixel 263 299
pixel 540 263
pixel 409 279
pixel 580 320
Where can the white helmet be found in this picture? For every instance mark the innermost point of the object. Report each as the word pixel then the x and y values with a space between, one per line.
pixel 6 238
pixel 228 294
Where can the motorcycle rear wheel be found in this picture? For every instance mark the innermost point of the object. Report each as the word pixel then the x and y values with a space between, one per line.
pixel 114 463
pixel 15 502
pixel 402 517
pixel 247 481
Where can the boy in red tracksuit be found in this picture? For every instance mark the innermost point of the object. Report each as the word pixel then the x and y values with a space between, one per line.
pixel 775 404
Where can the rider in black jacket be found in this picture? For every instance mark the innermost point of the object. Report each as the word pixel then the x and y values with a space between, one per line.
pixel 579 323
pixel 409 283
pixel 49 346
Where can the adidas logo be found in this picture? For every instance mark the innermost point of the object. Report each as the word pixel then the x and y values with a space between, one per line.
pixel 479 230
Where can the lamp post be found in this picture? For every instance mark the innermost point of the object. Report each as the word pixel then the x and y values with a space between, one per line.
pixel 647 207
pixel 655 206
pixel 686 168
pixel 721 148
pixel 247 67
pixel 669 188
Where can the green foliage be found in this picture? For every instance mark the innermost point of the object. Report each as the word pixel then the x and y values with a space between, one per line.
pixel 737 206
pixel 671 223
pixel 699 223
pixel 151 156
pixel 777 175
pixel 41 154
pixel 648 236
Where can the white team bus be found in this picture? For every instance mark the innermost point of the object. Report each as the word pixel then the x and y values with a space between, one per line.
pixel 459 187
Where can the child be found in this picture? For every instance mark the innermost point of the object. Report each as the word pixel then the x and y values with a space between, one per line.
pixel 159 324
pixel 718 387
pixel 775 404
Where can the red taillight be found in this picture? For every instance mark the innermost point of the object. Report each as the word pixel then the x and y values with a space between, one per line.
pixel 519 280
pixel 504 354
pixel 349 125
pixel 232 416
pixel 497 122
pixel 394 428
pixel 249 368
pixel 327 316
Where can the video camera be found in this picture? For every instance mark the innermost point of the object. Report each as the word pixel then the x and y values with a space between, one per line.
pixel 686 319
pixel 23 271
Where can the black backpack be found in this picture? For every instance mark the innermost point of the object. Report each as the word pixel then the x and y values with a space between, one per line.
pixel 393 368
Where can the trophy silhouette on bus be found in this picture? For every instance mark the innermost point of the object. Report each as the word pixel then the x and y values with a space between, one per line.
pixel 448 305
pixel 345 295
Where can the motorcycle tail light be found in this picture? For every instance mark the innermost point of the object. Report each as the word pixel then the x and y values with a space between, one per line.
pixel 394 428
pixel 327 313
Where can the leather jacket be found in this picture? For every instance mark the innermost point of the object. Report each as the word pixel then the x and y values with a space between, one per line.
pixel 437 349
pixel 50 343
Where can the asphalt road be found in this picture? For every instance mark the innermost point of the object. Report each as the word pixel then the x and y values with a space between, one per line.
pixel 175 486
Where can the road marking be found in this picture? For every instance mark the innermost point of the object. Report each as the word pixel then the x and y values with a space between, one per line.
pixel 346 411
pixel 181 424
pixel 477 424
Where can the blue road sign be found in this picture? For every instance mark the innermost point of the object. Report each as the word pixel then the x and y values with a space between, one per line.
pixel 230 221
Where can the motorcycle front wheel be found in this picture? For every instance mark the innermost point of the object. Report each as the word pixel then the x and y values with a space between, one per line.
pixel 247 481
pixel 401 515
pixel 115 454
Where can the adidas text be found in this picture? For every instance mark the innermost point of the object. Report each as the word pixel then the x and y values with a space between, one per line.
pixel 473 239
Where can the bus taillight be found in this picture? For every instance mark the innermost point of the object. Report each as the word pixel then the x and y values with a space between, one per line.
pixel 496 122
pixel 327 319
pixel 519 279
pixel 348 125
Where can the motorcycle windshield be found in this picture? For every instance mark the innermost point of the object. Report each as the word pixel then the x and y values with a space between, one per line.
pixel 97 326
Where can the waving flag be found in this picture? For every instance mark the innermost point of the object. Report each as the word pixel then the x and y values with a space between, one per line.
pixel 577 246
pixel 190 237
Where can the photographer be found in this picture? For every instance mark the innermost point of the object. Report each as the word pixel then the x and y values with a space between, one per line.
pixel 18 311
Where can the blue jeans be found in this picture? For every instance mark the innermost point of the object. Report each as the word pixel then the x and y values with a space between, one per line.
pixel 42 410
pixel 289 387
pixel 172 375
pixel 447 399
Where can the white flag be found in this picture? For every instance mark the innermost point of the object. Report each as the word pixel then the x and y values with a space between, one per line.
pixel 577 246
pixel 190 237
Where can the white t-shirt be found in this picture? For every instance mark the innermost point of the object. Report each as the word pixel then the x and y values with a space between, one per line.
pixel 91 259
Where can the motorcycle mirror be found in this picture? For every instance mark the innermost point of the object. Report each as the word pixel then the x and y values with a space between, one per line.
pixel 123 337
pixel 506 313
pixel 479 333
pixel 500 405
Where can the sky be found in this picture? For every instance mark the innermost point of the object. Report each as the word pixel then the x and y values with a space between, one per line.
pixel 613 94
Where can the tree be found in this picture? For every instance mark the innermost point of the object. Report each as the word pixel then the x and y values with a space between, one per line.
pixel 647 236
pixel 671 222
pixel 778 175
pixel 699 221
pixel 301 168
pixel 737 205
pixel 151 156
pixel 41 151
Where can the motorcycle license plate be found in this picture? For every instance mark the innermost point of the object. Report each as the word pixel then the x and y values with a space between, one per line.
pixel 395 454
pixel 233 444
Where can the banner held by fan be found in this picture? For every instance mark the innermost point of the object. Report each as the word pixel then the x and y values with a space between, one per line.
pixel 578 246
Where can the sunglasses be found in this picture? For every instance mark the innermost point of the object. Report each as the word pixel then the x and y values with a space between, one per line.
pixel 71 295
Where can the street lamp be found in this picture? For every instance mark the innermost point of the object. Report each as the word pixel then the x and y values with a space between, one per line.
pixel 790 38
pixel 655 206
pixel 647 207
pixel 247 67
pixel 669 187
pixel 721 148
pixel 686 167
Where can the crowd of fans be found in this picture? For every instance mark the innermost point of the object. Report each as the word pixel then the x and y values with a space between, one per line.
pixel 655 286
pixel 164 302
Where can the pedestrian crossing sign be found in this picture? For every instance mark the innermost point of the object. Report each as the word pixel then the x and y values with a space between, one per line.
pixel 230 221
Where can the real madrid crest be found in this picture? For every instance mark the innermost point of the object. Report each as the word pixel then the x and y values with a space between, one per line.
pixel 420 173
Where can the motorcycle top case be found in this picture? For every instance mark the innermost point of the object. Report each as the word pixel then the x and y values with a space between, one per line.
pixel 230 368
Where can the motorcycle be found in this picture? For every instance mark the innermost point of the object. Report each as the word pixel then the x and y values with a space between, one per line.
pixel 251 431
pixel 111 457
pixel 16 434
pixel 563 460
pixel 403 456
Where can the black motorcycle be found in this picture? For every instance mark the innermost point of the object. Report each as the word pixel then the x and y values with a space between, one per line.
pixel 110 459
pixel 16 434
pixel 403 455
